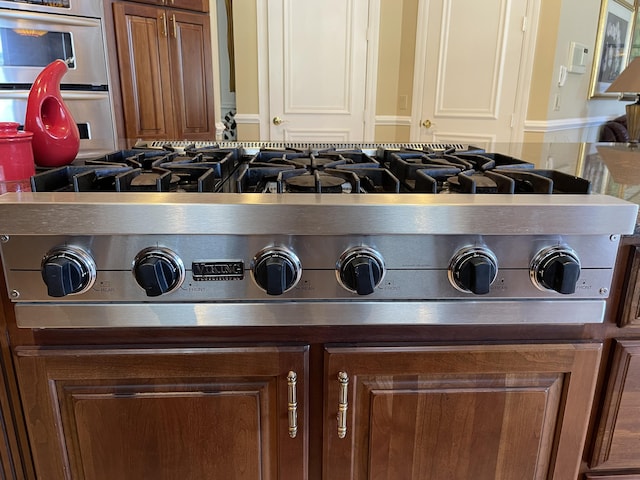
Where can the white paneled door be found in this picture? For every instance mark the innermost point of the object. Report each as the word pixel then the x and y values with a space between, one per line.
pixel 317 69
pixel 474 53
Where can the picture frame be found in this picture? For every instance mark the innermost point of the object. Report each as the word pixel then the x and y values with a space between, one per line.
pixel 630 3
pixel 613 44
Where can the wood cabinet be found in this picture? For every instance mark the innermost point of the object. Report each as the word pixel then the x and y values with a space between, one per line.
pixel 481 412
pixel 410 412
pixel 164 413
pixel 612 476
pixel 166 75
pixel 197 5
pixel 630 312
pixel 618 434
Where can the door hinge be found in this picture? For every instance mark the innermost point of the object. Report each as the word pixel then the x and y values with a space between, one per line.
pixel 524 24
pixel 513 120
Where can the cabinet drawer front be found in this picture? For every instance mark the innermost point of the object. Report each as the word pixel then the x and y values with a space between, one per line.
pixel 618 434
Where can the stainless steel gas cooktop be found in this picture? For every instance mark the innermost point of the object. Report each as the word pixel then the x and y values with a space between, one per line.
pixel 270 234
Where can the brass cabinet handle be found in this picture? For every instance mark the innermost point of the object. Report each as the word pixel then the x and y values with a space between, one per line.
pixel 163 25
pixel 174 27
pixel 427 124
pixel 277 121
pixel 292 404
pixel 343 404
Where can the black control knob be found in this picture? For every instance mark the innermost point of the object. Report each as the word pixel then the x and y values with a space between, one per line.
pixel 276 270
pixel 68 270
pixel 360 270
pixel 158 271
pixel 556 268
pixel 473 270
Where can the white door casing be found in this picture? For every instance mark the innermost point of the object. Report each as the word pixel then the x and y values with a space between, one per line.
pixel 474 74
pixel 318 85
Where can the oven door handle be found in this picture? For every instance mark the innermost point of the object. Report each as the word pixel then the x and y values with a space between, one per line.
pixel 8 18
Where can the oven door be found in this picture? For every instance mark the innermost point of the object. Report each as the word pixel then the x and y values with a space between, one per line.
pixel 30 41
pixel 90 110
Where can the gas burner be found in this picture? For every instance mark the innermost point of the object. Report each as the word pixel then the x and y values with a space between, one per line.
pixel 245 169
pixel 143 171
pixel 258 178
pixel 347 157
pixel 329 181
pixel 385 153
pixel 429 173
pixel 322 183
pixel 517 181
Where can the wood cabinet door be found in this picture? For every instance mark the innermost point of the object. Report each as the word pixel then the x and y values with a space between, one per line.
pixel 167 413
pixel 459 412
pixel 630 314
pixel 617 442
pixel 191 74
pixel 142 36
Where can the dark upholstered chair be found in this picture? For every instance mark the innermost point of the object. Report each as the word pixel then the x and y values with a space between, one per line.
pixel 614 130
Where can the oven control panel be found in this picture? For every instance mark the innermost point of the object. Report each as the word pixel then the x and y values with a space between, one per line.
pixel 227 268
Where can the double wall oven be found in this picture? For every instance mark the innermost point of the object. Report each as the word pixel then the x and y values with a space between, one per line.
pixel 32 35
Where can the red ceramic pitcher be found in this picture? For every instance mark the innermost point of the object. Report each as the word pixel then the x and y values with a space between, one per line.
pixel 56 139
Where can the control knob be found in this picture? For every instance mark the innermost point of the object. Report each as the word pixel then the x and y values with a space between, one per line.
pixel 360 270
pixel 158 271
pixel 473 270
pixel 68 270
pixel 276 270
pixel 556 268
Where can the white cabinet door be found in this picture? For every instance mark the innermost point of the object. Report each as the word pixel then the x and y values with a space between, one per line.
pixel 473 56
pixel 317 69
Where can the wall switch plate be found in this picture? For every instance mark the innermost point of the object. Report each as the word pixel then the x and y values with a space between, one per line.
pixel 403 102
pixel 578 57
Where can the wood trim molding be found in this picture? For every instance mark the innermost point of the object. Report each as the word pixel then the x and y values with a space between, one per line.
pixel 615 443
pixel 419 70
pixel 393 120
pixel 543 126
pixel 631 302
pixel 530 30
pixel 371 81
pixel 245 118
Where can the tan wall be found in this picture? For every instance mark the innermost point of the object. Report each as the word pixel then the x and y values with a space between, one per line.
pixel 392 134
pixel 396 56
pixel 543 62
pixel 245 38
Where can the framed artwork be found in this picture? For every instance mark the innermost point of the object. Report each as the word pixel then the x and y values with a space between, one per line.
pixel 613 44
